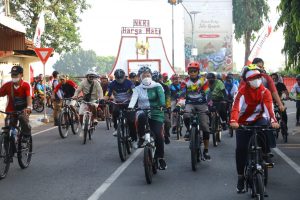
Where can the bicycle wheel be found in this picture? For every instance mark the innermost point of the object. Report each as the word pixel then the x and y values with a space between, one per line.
pixel 63 125
pixel 266 175
pixel 38 105
pixel 85 128
pixel 107 119
pixel 75 124
pixel 4 156
pixel 214 129
pixel 283 130
pixel 24 151
pixel 194 149
pixel 258 187
pixel 128 141
pixel 148 165
pixel 121 142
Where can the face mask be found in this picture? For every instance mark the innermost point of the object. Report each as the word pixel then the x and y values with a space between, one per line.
pixel 146 81
pixel 15 80
pixel 255 83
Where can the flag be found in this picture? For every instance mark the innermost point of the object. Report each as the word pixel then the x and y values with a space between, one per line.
pixel 40 28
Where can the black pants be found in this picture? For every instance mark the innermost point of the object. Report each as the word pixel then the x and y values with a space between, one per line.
pixel 242 140
pixel 130 119
pixel 298 110
pixel 156 129
pixel 24 123
pixel 221 109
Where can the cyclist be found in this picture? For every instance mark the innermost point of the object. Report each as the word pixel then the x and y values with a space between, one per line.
pixel 104 84
pixel 66 89
pixel 150 94
pixel 156 76
pixel 281 88
pixel 296 92
pixel 121 89
pixel 194 90
pixel 252 106
pixel 92 92
pixel 175 94
pixel 231 86
pixel 19 94
pixel 55 98
pixel 166 79
pixel 134 78
pixel 266 80
pixel 217 96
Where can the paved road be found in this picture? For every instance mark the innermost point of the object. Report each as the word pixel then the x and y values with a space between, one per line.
pixel 66 169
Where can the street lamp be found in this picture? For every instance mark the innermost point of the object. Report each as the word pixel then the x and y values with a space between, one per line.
pixel 194 13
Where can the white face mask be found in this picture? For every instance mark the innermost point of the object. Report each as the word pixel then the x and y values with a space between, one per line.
pixel 147 81
pixel 255 83
pixel 15 80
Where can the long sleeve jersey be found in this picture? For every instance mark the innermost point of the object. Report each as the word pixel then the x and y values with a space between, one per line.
pixel 85 86
pixel 251 105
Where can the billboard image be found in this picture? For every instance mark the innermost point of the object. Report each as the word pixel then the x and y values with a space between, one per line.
pixel 212 35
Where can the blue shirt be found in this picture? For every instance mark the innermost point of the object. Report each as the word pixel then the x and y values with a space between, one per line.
pixel 122 92
pixel 175 91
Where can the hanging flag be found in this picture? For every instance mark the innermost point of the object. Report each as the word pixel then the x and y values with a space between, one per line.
pixel 40 28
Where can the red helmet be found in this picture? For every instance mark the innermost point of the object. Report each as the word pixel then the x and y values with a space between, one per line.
pixel 174 76
pixel 193 65
pixel 165 74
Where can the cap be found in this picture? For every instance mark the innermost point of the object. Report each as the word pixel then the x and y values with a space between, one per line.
pixel 63 77
pixel 16 70
pixel 252 73
pixel 165 74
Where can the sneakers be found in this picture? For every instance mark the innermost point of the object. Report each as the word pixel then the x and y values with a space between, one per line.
pixel 206 156
pixel 162 164
pixel 81 133
pixel 167 140
pixel 140 142
pixel 187 136
pixel 240 187
pixel 115 133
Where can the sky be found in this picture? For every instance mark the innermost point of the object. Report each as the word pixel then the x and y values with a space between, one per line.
pixel 100 30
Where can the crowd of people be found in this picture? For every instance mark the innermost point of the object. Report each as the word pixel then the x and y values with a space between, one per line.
pixel 250 97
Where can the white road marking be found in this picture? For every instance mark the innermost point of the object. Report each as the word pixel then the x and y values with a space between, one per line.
pixel 288 160
pixel 44 131
pixel 107 183
pixel 291 113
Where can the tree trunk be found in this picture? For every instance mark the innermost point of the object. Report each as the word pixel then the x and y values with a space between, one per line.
pixel 247 45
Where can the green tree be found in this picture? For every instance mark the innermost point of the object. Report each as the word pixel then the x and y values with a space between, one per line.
pixel 105 64
pixel 289 20
pixel 61 18
pixel 76 63
pixel 248 18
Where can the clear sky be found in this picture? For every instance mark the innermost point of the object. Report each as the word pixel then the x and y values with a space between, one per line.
pixel 101 26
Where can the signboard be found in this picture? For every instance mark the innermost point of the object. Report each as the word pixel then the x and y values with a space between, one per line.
pixel 43 53
pixel 212 35
pixel 140 27
pixel 135 65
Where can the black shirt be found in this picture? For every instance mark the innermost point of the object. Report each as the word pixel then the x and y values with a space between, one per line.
pixel 280 88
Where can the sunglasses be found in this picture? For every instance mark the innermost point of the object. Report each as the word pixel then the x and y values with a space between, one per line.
pixel 193 71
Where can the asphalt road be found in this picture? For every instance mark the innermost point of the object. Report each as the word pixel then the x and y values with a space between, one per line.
pixel 64 169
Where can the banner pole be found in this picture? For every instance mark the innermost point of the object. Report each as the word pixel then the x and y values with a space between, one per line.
pixel 45 119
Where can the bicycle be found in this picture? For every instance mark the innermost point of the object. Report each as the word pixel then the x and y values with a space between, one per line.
pixel 87 125
pixel 256 170
pixel 38 103
pixel 67 118
pixel 230 130
pixel 179 121
pixel 123 136
pixel 283 125
pixel 107 116
pixel 12 141
pixel 215 125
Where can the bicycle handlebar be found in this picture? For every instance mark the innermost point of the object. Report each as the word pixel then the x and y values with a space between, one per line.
pixel 261 128
pixel 12 113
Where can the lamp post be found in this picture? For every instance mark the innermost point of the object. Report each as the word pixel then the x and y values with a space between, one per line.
pixel 194 13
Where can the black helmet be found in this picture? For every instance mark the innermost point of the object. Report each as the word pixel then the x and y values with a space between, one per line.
pixel 257 60
pixel 54 73
pixel 143 70
pixel 156 76
pixel 210 75
pixel 132 75
pixel 119 74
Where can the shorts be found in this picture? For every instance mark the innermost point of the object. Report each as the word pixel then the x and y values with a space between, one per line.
pixel 84 107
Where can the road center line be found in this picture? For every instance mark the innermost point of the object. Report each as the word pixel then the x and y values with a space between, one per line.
pixel 37 133
pixel 288 160
pixel 107 183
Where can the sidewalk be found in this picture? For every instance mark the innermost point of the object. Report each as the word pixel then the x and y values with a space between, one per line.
pixel 34 120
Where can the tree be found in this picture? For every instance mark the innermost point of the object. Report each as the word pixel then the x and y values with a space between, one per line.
pixel 289 20
pixel 61 19
pixel 76 63
pixel 248 17
pixel 105 64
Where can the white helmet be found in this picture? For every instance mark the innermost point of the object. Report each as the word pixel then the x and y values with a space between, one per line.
pixel 92 73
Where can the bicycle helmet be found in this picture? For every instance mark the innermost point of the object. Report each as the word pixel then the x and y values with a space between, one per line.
pixel 143 70
pixel 165 74
pixel 156 76
pixel 251 67
pixel 211 75
pixel 193 65
pixel 174 76
pixel 132 75
pixel 119 74
pixel 91 74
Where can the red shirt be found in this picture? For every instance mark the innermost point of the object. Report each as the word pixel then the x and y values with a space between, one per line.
pixel 23 91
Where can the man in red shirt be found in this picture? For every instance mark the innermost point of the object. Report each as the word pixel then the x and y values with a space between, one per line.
pixel 19 95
